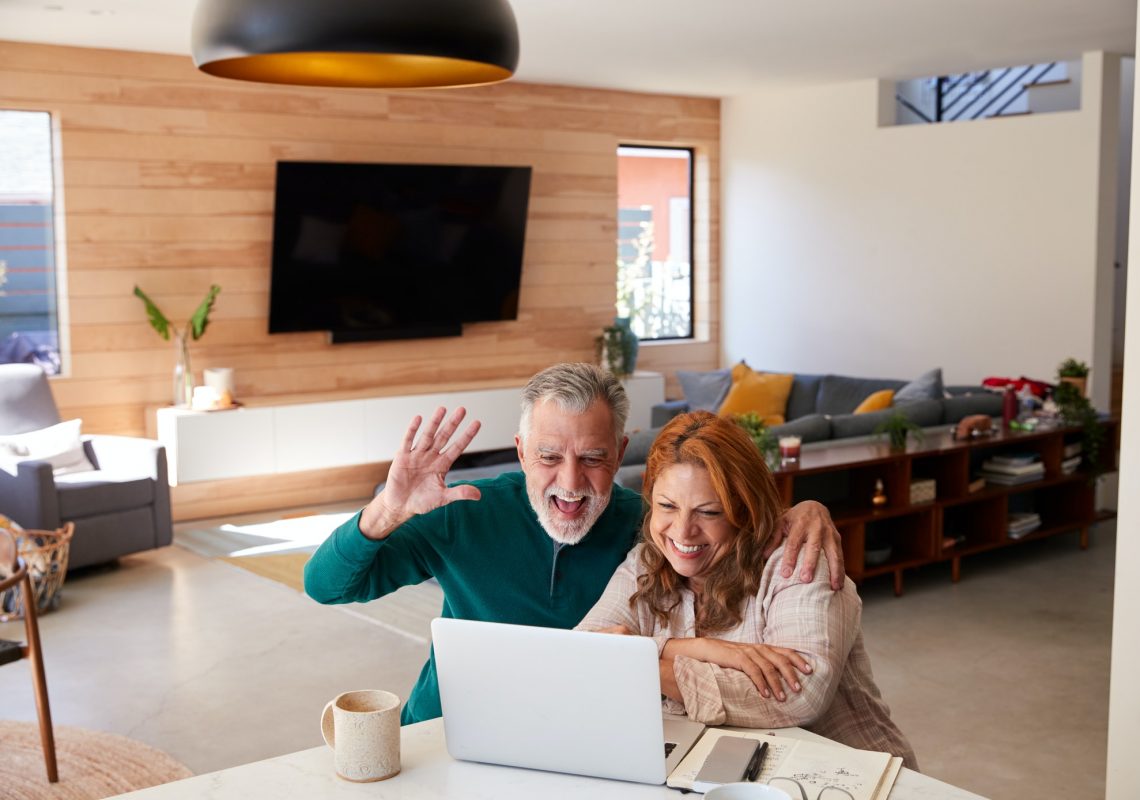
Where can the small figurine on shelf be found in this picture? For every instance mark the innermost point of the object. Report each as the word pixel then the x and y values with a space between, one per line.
pixel 879 498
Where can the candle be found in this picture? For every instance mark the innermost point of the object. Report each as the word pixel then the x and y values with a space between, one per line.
pixel 790 448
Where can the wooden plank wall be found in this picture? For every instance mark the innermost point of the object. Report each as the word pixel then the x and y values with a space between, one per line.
pixel 168 183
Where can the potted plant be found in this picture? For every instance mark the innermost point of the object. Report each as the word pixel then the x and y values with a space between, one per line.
pixel 194 328
pixel 761 435
pixel 1074 372
pixel 1076 410
pixel 897 427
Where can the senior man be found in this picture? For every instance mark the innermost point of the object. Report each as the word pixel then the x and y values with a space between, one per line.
pixel 535 547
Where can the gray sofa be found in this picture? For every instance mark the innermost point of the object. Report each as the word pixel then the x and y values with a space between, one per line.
pixel 820 407
pixel 819 410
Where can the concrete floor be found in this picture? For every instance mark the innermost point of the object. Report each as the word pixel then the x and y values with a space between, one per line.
pixel 1000 681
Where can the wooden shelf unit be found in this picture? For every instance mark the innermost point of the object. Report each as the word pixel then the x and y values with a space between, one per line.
pixel 842 477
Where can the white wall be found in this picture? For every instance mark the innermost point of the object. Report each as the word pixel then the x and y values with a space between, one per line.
pixel 884 251
pixel 1123 777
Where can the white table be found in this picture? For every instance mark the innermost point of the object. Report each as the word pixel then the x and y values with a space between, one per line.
pixel 429 773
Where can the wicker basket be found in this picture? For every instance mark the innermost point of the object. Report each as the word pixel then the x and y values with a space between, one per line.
pixel 45 553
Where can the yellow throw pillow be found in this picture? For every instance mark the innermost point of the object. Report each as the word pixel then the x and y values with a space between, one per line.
pixel 765 393
pixel 739 370
pixel 876 401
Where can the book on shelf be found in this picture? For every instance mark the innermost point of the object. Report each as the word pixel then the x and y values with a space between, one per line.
pixel 1071 450
pixel 1069 465
pixel 1022 522
pixel 1001 479
pixel 1032 468
pixel 862 774
pixel 976 485
pixel 1015 459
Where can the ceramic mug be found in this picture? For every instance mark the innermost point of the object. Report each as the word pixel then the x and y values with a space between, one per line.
pixel 746 791
pixel 363 729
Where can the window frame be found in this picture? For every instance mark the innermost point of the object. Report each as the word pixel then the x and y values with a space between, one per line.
pixel 59 239
pixel 691 175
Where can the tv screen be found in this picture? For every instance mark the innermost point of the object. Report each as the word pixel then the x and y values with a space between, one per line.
pixel 380 251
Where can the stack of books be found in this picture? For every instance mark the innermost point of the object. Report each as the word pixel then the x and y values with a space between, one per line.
pixel 1072 456
pixel 1023 522
pixel 1012 469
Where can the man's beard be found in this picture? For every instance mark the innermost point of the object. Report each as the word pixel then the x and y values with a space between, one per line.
pixel 566 531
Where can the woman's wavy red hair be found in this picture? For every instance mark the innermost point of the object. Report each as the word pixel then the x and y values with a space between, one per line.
pixel 747 493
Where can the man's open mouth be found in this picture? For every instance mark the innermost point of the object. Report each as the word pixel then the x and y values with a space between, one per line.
pixel 568 506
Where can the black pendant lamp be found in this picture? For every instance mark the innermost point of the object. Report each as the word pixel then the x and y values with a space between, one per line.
pixel 377 43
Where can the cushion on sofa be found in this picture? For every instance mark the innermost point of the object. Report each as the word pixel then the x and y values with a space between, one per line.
pixel 763 393
pixel 810 428
pixel 839 394
pixel 927 386
pixel 960 406
pixel 801 400
pixel 705 391
pixel 61 445
pixel 86 494
pixel 637 450
pixel 923 413
pixel 876 401
pixel 663 412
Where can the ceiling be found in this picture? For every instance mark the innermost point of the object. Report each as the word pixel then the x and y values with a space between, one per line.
pixel 697 47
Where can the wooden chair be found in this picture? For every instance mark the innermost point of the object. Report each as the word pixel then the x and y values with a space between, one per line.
pixel 14 572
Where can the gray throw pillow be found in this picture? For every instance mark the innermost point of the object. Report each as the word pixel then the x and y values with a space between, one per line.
pixel 705 391
pixel 927 386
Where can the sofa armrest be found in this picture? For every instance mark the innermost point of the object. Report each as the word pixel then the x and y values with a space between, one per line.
pixel 137 457
pixel 663 412
pixel 126 455
pixel 29 497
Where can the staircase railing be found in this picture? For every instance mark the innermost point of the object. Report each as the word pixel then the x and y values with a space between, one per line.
pixel 972 95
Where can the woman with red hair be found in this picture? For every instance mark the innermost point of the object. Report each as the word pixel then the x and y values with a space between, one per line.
pixel 720 611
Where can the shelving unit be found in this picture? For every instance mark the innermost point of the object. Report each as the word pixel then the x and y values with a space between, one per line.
pixel 842 477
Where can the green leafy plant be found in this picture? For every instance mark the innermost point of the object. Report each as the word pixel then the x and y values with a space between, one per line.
pixel 760 434
pixel 897 427
pixel 193 329
pixel 195 326
pixel 1072 368
pixel 1076 410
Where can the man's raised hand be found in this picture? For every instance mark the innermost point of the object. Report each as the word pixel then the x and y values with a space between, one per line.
pixel 416 478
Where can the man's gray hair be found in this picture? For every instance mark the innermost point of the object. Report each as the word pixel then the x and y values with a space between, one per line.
pixel 575 387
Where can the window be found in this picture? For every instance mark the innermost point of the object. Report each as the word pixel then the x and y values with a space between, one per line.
pixel 29 310
pixel 655 241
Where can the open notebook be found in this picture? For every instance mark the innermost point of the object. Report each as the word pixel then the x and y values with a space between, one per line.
pixel 864 774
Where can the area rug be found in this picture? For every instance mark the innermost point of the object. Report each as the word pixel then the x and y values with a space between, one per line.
pixel 286 568
pixel 92 764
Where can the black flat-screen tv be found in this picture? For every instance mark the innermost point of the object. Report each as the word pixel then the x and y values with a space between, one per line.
pixel 395 251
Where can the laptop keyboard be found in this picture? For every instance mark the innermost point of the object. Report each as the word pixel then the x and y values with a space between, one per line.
pixel 669 748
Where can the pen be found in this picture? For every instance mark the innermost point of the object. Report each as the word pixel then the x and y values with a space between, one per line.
pixel 753 769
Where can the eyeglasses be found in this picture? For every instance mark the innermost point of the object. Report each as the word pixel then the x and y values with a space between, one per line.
pixel 825 793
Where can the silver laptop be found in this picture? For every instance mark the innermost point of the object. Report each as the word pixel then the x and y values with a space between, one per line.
pixel 563 701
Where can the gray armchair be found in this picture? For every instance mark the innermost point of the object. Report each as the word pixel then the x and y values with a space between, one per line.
pixel 120 507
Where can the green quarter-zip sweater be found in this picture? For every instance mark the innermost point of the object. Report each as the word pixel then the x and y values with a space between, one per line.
pixel 493 560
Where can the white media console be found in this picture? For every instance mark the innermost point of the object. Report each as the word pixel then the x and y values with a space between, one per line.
pixel 297 436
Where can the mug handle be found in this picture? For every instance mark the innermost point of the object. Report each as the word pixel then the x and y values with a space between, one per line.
pixel 327 725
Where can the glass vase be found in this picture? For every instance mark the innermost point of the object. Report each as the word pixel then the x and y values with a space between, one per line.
pixel 183 384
